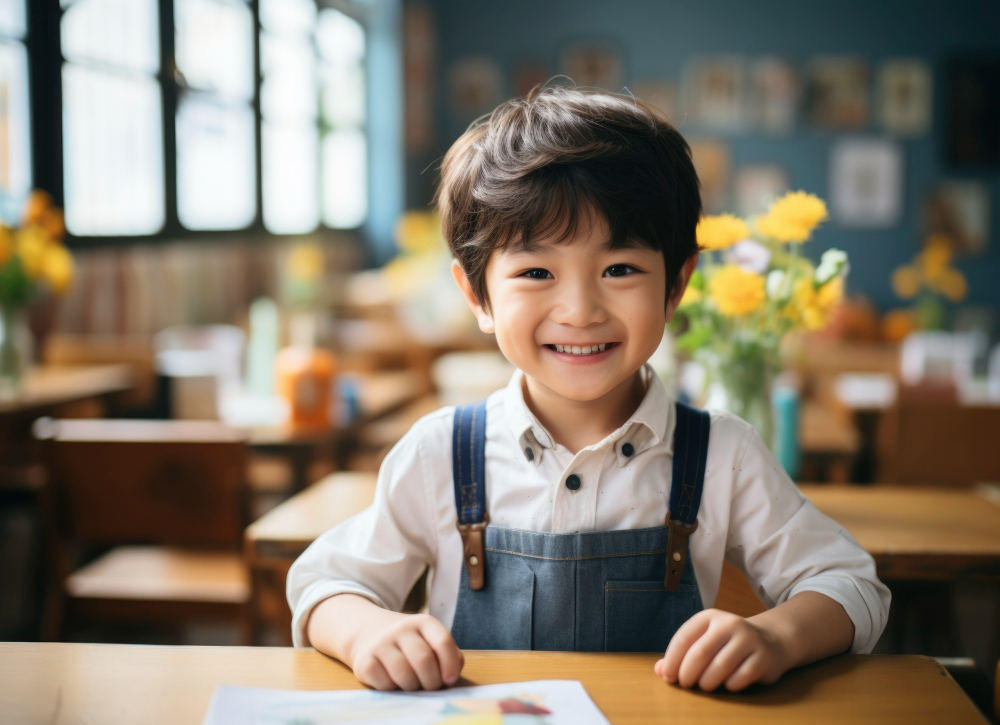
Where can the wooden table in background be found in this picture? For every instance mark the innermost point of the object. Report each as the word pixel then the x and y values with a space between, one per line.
pixel 379 395
pixel 918 533
pixel 48 387
pixel 274 541
pixel 108 684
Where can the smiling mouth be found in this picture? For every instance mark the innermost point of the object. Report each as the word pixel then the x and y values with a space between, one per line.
pixel 582 349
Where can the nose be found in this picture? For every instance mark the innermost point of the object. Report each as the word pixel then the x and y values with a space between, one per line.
pixel 580 305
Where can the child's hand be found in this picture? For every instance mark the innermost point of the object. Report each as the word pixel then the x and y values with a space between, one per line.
pixel 406 651
pixel 715 647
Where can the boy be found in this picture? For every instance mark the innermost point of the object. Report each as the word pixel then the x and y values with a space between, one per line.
pixel 579 507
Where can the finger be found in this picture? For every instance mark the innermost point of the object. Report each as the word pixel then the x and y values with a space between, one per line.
pixel 373 674
pixel 450 658
pixel 749 672
pixel 658 667
pixel 422 659
pixel 685 636
pixel 398 668
pixel 725 663
pixel 700 654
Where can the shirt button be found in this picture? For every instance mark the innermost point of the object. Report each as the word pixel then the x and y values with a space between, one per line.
pixel 627 449
pixel 573 482
pixel 529 454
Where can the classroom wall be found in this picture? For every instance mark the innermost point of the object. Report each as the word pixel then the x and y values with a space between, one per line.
pixel 658 36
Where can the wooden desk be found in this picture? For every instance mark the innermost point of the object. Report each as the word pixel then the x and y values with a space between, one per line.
pixel 72 683
pixel 379 395
pixel 50 386
pixel 918 533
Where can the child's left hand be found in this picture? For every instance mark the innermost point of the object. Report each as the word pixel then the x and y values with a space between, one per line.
pixel 715 647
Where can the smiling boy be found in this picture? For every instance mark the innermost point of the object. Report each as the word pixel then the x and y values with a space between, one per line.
pixel 579 508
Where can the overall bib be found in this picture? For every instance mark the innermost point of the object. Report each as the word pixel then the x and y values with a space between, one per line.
pixel 615 591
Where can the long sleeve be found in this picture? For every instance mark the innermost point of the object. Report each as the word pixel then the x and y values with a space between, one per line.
pixel 785 546
pixel 378 553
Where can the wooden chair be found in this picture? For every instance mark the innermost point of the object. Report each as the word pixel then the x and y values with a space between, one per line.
pixel 166 501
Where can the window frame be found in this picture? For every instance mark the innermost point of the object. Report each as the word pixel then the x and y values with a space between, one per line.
pixel 45 63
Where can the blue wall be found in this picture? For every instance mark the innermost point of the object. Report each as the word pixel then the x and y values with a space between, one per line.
pixel 657 37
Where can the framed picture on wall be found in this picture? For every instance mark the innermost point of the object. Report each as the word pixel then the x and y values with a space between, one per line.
pixel 595 65
pixel 960 210
pixel 756 186
pixel 837 93
pixel 474 85
pixel 774 95
pixel 866 183
pixel 904 96
pixel 711 161
pixel 715 92
pixel 529 73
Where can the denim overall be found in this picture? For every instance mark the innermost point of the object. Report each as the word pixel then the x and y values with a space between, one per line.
pixel 597 591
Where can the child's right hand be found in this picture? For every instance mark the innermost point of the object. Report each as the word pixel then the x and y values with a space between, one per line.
pixel 406 651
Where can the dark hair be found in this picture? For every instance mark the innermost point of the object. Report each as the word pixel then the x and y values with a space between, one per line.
pixel 537 163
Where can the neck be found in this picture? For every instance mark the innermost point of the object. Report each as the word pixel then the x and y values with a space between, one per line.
pixel 576 424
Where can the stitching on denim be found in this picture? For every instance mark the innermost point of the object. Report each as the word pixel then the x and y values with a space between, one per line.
pixel 576 558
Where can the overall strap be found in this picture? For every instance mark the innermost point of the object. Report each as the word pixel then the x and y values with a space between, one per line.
pixel 468 470
pixel 690 455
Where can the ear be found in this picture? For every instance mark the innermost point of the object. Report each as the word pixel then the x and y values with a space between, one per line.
pixel 484 318
pixel 680 284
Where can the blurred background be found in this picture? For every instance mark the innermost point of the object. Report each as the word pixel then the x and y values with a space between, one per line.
pixel 224 294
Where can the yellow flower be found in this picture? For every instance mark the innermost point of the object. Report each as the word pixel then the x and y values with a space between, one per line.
pixel 6 244
pixel 691 296
pixel 418 231
pixel 305 263
pixel 815 307
pixel 57 267
pixel 719 232
pixel 906 281
pixel 793 217
pixel 736 292
pixel 935 258
pixel 953 285
pixel 35 207
pixel 30 247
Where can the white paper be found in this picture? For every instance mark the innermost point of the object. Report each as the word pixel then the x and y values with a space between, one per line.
pixel 541 702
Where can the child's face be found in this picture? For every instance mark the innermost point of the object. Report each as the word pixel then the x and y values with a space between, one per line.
pixel 573 295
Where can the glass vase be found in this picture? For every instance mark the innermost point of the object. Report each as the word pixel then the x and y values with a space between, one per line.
pixel 741 383
pixel 15 350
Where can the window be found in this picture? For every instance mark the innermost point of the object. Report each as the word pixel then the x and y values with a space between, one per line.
pixel 240 115
pixel 15 122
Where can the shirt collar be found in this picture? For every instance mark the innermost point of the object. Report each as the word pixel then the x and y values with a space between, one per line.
pixel 646 427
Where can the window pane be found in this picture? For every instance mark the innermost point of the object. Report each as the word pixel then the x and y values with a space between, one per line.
pixel 15 141
pixel 214 46
pixel 291 179
pixel 12 22
pixel 215 165
pixel 340 39
pixel 113 153
pixel 288 88
pixel 345 183
pixel 288 16
pixel 343 95
pixel 122 33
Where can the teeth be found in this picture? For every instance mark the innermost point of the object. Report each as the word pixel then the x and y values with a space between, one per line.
pixel 582 350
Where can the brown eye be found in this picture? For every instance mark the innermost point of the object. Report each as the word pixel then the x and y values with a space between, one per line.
pixel 537 273
pixel 619 270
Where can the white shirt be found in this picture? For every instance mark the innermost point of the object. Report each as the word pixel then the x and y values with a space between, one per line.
pixel 751 513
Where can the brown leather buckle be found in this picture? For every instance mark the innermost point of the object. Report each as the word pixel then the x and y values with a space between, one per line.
pixel 677 551
pixel 473 551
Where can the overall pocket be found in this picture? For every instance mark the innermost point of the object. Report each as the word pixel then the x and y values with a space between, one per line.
pixel 642 616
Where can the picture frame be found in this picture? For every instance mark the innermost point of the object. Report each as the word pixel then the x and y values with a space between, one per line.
pixel 905 96
pixel 838 92
pixel 757 186
pixel 474 85
pixel 711 159
pixel 715 93
pixel 866 183
pixel 960 210
pixel 595 65
pixel 775 96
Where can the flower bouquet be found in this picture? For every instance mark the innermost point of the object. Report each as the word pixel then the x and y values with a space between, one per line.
pixel 33 263
pixel 752 287
pixel 930 280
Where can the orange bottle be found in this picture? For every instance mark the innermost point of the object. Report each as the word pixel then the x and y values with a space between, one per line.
pixel 305 377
